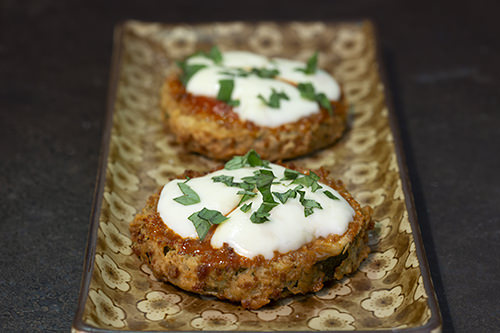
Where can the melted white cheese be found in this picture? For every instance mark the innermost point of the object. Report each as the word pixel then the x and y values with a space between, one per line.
pixel 287 230
pixel 205 82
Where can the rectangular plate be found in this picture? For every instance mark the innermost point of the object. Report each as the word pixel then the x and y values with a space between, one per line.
pixel 392 288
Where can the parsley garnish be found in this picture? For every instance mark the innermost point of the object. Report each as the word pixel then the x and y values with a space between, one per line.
pixel 330 195
pixel 283 197
pixel 247 186
pixel 307 91
pixel 310 180
pixel 188 71
pixel 215 55
pixel 309 204
pixel 250 159
pixel 204 219
pixel 246 194
pixel 264 180
pixel 310 66
pixel 265 73
pixel 190 197
pixel 274 99
pixel 235 72
pixel 261 215
pixel 290 174
pixel 225 92
pixel 227 180
pixel 246 207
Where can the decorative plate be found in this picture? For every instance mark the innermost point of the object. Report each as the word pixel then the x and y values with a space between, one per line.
pixel 392 288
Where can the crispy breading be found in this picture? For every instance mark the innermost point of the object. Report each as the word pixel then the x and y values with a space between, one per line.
pixel 195 266
pixel 210 127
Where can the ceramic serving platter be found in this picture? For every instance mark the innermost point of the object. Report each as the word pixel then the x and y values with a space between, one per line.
pixel 392 289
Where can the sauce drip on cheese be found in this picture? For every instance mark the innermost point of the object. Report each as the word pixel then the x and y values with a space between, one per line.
pixel 287 229
pixel 205 82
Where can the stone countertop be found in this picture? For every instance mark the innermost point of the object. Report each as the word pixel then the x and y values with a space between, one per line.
pixel 443 72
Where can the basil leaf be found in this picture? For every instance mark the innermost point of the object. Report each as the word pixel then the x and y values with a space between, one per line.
pixel 261 215
pixel 246 207
pixel 307 91
pixel 310 66
pixel 245 196
pixel 233 102
pixel 309 204
pixel 251 159
pixel 215 55
pixel 234 72
pixel 212 216
pixel 264 180
pixel 188 71
pixel 190 197
pixel 204 219
pixel 331 195
pixel 227 180
pixel 274 99
pixel 246 186
pixel 225 90
pixel 265 73
pixel 324 102
pixel 250 179
pixel 202 226
pixel 283 197
pixel 310 180
pixel 290 174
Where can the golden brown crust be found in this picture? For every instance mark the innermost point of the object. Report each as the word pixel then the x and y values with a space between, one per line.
pixel 195 266
pixel 212 128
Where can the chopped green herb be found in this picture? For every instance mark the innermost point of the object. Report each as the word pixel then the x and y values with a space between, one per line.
pixel 264 180
pixel 213 216
pixel 190 197
pixel 324 102
pixel 246 207
pixel 330 195
pixel 233 102
pixel 283 197
pixel 274 99
pixel 310 66
pixel 310 180
pixel 204 219
pixel 251 159
pixel 265 73
pixel 290 174
pixel 307 91
pixel 215 55
pixel 261 215
pixel 227 180
pixel 188 71
pixel 245 195
pixel 250 179
pixel 309 204
pixel 225 90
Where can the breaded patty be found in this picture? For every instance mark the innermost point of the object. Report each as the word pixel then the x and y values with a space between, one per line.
pixel 196 266
pixel 210 127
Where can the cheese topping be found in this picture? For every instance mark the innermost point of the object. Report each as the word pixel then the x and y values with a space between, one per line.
pixel 287 228
pixel 249 86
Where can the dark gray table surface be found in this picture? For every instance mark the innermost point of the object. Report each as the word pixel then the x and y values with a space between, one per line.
pixel 442 60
